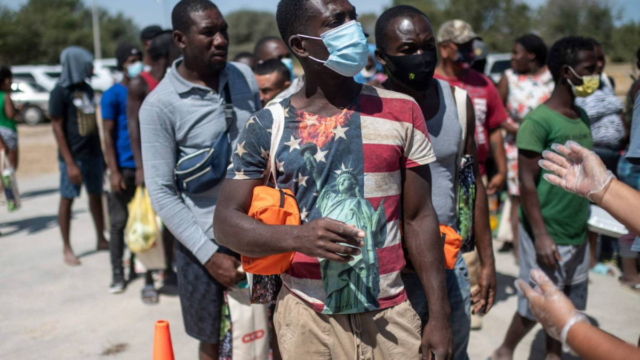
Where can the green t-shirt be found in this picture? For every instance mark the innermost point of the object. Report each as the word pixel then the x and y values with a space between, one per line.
pixel 565 215
pixel 5 122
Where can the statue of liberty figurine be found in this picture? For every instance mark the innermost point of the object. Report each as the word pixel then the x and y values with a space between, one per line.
pixel 354 286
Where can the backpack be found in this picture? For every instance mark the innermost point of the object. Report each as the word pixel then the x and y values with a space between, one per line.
pixel 272 206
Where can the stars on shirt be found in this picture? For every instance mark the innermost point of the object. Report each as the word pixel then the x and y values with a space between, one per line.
pixel 264 154
pixel 241 150
pixel 340 131
pixel 321 155
pixel 251 121
pixel 240 175
pixel 302 180
pixel 312 120
pixel 280 166
pixel 304 214
pixel 293 144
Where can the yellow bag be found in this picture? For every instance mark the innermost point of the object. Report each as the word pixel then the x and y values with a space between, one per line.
pixel 142 229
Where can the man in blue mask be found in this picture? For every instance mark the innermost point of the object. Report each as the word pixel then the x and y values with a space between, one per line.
pixel 355 157
pixel 407 50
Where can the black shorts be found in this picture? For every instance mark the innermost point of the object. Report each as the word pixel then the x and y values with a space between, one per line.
pixel 201 297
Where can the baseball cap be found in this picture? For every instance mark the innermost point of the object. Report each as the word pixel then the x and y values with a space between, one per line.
pixel 150 32
pixel 123 51
pixel 456 31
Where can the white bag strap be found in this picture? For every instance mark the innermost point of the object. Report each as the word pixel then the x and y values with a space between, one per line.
pixel 277 130
pixel 460 96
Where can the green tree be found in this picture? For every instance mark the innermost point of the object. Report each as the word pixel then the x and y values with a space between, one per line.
pixel 41 29
pixel 246 27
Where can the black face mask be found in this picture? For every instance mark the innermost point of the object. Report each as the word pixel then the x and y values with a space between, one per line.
pixel 413 71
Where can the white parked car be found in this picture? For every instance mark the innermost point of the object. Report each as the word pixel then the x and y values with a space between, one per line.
pixel 44 75
pixel 496 65
pixel 105 74
pixel 32 101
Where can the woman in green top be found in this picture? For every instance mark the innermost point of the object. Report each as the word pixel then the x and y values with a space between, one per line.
pixel 8 130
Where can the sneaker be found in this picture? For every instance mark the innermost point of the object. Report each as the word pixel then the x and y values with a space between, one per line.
pixel 118 284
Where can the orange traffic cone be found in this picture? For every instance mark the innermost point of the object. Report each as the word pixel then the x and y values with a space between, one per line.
pixel 162 347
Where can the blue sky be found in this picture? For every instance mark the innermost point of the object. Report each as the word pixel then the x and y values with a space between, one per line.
pixel 146 12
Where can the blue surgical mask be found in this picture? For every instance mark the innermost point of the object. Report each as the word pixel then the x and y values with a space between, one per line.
pixel 135 69
pixel 348 51
pixel 289 64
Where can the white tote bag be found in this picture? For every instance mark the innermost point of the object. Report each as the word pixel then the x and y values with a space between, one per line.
pixel 249 327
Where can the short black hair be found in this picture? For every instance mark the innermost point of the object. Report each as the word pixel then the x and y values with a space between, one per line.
pixel 638 54
pixel 5 73
pixel 242 55
pixel 273 65
pixel 264 41
pixel 292 16
pixel 150 32
pixel 160 46
pixel 533 44
pixel 565 52
pixel 181 14
pixel 389 15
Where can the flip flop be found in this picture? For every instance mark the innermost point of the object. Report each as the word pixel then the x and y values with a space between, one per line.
pixel 149 295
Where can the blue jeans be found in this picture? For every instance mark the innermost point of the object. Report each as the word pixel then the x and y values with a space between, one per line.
pixel 459 292
pixel 92 171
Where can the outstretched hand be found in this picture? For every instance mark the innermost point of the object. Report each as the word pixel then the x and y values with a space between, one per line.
pixel 579 171
pixel 551 307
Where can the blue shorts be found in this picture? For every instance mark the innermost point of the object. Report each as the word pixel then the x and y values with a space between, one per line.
pixel 92 171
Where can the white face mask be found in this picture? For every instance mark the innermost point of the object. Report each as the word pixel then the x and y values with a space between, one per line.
pixel 347 46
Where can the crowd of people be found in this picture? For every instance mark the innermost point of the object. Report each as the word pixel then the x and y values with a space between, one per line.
pixel 384 148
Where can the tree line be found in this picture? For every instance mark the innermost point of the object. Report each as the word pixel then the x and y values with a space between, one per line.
pixel 38 31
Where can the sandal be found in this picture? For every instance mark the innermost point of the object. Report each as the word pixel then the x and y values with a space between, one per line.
pixel 149 295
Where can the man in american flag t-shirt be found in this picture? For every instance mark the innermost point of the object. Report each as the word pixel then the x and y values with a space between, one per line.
pixel 348 168
pixel 357 160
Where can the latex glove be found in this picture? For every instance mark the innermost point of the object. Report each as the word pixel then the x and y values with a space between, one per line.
pixel 580 171
pixel 551 307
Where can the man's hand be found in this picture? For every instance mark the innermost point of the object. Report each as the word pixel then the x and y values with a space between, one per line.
pixel 117 182
pixel 322 237
pixel 139 177
pixel 224 268
pixel 75 176
pixel 547 252
pixel 484 295
pixel 437 340
pixel 497 182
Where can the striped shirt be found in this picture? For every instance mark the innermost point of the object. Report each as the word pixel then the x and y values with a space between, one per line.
pixel 177 119
pixel 346 167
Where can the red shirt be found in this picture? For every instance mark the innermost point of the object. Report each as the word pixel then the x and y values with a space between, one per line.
pixel 152 83
pixel 490 112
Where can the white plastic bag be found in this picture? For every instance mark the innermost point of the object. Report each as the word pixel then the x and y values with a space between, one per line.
pixel 9 183
pixel 249 326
